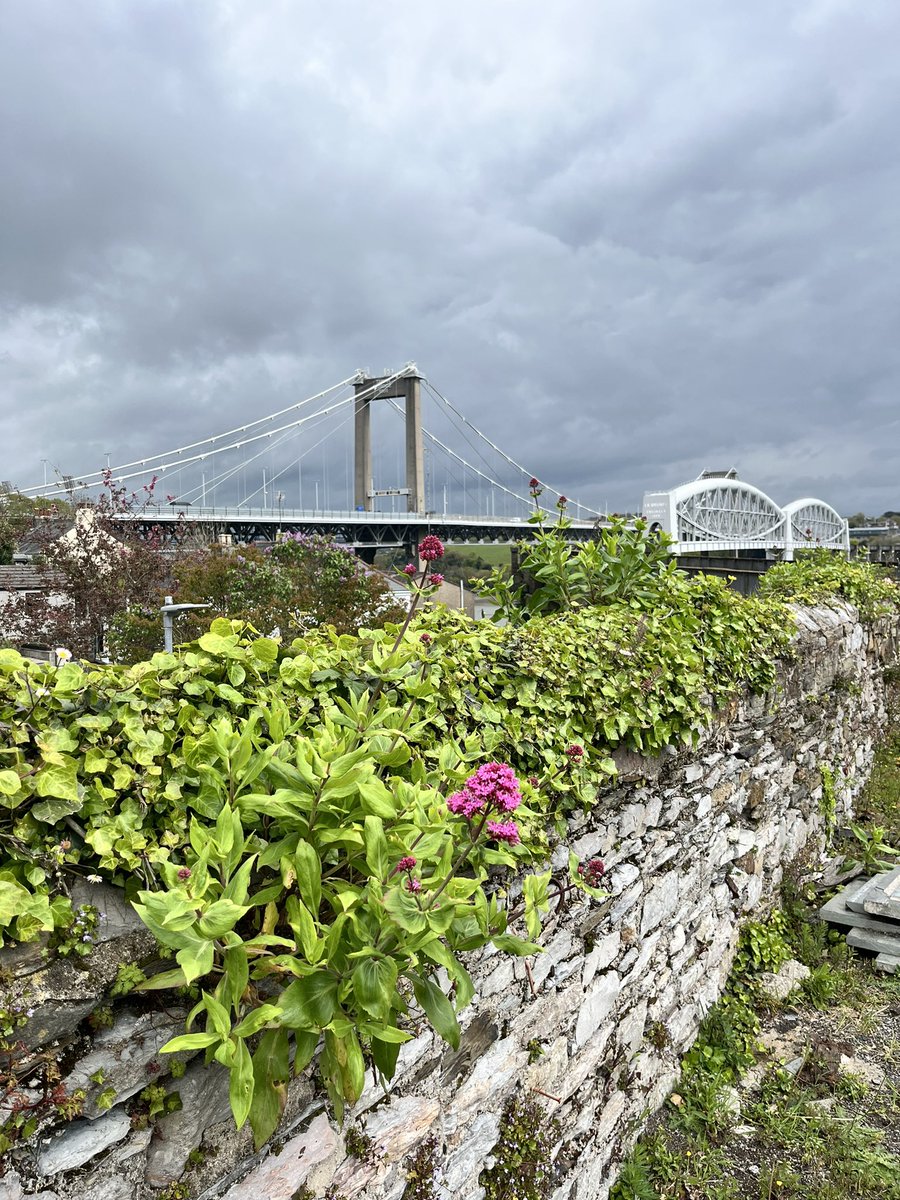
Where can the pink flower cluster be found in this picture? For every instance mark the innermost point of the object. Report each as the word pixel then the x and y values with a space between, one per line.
pixel 431 547
pixel 592 871
pixel 493 787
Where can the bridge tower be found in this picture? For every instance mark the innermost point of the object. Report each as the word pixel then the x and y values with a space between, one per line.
pixel 407 388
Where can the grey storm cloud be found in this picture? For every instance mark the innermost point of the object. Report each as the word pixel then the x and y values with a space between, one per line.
pixel 629 240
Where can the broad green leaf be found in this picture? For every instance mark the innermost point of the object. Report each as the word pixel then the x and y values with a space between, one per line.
pixel 241 1084
pixel 13 900
pixel 309 1002
pixel 60 780
pixel 190 1041
pixel 255 1020
pixel 374 985
pixel 515 945
pixel 220 918
pixel 437 1008
pixel 302 924
pixel 376 848
pixel 10 784
pixel 51 811
pixel 271 1071
pixel 309 876
pixel 195 959
pixel 164 980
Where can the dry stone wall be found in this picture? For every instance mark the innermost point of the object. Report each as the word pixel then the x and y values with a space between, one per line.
pixel 694 842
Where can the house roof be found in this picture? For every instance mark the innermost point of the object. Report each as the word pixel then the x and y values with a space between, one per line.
pixel 24 577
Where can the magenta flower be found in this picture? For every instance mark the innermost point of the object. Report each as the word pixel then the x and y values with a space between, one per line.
pixel 406 863
pixel 575 753
pixel 410 569
pixel 495 783
pixel 464 804
pixel 592 871
pixel 504 831
pixel 534 484
pixel 562 502
pixel 413 885
pixel 184 873
pixel 431 548
pixel 426 638
pixel 436 578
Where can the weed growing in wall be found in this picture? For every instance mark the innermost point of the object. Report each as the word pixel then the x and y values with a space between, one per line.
pixel 522 1159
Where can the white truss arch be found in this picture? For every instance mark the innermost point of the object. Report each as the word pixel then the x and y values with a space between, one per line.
pixel 715 515
pixel 719 513
pixel 812 522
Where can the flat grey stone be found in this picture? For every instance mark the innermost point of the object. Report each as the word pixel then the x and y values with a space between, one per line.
pixel 875 940
pixel 81 1141
pixel 838 912
pixel 888 963
pixel 123 1053
pixel 204 1102
pixel 856 895
pixel 883 898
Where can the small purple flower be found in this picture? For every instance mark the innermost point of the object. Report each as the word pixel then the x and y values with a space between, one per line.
pixel 406 863
pixel 436 578
pixel 87 938
pixel 184 873
pixel 534 484
pixel 425 639
pixel 592 871
pixel 504 831
pixel 413 885
pixel 431 548
pixel 410 569
pixel 575 753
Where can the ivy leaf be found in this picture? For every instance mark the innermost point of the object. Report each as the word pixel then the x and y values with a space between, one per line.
pixel 13 900
pixel 59 780
pixel 51 811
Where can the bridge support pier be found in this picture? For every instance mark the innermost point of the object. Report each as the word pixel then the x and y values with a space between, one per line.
pixel 408 389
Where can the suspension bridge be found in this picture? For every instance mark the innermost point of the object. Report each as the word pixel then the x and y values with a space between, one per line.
pixel 255 481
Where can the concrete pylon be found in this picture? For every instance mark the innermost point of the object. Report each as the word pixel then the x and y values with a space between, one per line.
pixel 408 389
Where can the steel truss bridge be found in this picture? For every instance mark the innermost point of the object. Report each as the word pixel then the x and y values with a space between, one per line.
pixel 720 514
pixel 364 532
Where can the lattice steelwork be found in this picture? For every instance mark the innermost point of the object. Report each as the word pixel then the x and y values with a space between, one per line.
pixel 718 513
pixel 815 523
pixel 727 511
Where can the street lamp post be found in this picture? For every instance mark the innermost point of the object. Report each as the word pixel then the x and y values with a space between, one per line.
pixel 168 611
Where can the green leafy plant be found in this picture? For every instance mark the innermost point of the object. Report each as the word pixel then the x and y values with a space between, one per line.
pixel 523 1168
pixel 623 564
pixel 870 851
pixel 820 576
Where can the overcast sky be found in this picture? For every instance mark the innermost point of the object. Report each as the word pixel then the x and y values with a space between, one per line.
pixel 629 238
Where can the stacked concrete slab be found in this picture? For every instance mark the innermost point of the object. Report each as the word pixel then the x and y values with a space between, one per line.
pixel 870 910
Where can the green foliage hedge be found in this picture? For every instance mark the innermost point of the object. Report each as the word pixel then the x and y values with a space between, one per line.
pixel 256 800
pixel 820 577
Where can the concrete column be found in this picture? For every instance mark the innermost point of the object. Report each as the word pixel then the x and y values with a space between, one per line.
pixel 362 474
pixel 415 458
